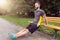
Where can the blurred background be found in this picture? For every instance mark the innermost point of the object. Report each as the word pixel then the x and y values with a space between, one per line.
pixel 26 7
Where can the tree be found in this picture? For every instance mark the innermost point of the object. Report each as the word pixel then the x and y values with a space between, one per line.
pixel 26 7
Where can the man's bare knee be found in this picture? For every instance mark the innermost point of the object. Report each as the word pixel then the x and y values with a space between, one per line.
pixel 27 30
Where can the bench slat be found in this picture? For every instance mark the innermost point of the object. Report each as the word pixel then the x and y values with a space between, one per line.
pixel 51 26
pixel 54 19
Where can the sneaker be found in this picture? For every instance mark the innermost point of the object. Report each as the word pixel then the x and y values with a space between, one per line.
pixel 12 35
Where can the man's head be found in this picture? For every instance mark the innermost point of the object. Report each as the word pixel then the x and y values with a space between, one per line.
pixel 37 5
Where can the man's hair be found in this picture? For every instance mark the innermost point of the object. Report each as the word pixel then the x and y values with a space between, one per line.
pixel 38 2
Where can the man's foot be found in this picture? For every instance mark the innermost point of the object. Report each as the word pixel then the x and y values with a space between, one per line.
pixel 12 35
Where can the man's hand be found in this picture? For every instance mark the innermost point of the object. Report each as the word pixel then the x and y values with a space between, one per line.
pixel 45 25
pixel 42 24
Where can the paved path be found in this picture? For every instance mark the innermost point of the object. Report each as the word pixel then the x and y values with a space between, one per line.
pixel 6 26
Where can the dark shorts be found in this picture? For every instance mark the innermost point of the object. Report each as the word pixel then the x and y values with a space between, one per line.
pixel 32 27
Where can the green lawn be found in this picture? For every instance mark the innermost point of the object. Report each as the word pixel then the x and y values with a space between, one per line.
pixel 24 23
pixel 18 20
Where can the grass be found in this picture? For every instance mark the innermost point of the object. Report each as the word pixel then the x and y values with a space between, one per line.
pixel 18 20
pixel 24 23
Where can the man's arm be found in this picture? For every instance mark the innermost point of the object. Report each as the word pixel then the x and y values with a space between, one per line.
pixel 45 19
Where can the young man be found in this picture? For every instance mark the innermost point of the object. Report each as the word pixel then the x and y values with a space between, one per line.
pixel 39 14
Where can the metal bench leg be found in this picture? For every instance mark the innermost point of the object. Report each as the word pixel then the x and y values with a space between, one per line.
pixel 55 34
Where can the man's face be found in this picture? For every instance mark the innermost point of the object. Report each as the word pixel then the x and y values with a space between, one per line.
pixel 37 5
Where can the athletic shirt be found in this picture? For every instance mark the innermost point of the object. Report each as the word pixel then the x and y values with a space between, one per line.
pixel 37 14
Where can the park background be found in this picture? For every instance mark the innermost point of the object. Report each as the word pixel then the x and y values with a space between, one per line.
pixel 21 12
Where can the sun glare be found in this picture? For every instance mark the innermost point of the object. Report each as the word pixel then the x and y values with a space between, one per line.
pixel 3 2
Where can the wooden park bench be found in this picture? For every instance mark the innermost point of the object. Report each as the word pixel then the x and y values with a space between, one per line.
pixel 55 20
pixel 56 29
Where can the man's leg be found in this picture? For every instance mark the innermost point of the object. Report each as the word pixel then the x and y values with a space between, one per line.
pixel 31 28
pixel 22 33
pixel 19 34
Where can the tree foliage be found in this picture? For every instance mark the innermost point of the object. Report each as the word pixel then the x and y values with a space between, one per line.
pixel 51 6
pixel 26 7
